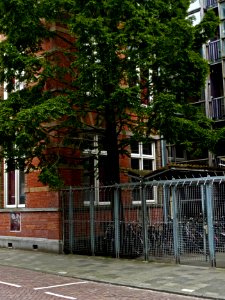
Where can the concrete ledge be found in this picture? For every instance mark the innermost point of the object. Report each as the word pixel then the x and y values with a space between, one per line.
pixel 36 244
pixel 24 209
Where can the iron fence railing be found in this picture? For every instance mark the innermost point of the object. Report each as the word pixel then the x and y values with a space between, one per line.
pixel 183 222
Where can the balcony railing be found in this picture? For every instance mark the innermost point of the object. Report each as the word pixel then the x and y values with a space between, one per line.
pixel 214 51
pixel 218 108
pixel 211 3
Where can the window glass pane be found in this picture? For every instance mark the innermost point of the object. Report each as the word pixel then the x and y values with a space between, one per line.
pixel 149 193
pixel 147 164
pixel 135 163
pixel 179 151
pixel 89 172
pixel 136 194
pixel 223 28
pixel 134 147
pixel 170 151
pixel 102 143
pixel 21 188
pixel 222 10
pixel 147 149
pixel 11 188
pixel 103 170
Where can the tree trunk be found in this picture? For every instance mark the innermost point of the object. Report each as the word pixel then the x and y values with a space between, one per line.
pixel 112 162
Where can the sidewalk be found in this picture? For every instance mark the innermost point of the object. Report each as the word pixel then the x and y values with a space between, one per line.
pixel 182 279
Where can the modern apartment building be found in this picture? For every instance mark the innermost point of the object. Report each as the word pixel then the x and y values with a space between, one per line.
pixel 212 100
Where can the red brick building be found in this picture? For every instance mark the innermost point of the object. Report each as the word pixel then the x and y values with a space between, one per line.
pixel 30 213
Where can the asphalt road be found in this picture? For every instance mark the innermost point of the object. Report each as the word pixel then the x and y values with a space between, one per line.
pixel 22 284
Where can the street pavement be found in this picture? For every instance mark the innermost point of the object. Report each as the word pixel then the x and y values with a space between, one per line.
pixel 23 284
pixel 195 281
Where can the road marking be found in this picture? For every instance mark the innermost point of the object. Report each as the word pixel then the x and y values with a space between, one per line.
pixel 53 286
pixel 187 290
pixel 61 296
pixel 11 284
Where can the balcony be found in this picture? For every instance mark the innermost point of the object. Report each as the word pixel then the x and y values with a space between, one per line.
pixel 214 51
pixel 211 3
pixel 217 108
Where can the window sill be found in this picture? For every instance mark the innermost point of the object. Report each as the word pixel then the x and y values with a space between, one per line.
pixel 24 209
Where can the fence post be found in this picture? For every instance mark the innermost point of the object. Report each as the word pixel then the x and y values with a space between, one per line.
pixel 71 221
pixel 175 226
pixel 204 222
pixel 208 187
pixel 165 203
pixel 117 222
pixel 62 199
pixel 144 219
pixel 92 221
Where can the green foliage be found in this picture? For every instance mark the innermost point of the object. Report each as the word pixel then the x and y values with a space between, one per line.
pixel 104 68
pixel 49 176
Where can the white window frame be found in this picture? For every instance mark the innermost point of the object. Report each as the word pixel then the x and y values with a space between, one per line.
pixel 17 189
pixel 141 156
pixel 97 186
pixel 150 97
pixel 18 86
pixel 172 154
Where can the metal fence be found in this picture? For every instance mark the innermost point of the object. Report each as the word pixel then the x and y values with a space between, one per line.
pixel 177 220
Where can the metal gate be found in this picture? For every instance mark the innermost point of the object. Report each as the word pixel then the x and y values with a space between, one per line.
pixel 177 220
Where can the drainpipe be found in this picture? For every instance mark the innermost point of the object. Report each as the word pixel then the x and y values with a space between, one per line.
pixel 163 152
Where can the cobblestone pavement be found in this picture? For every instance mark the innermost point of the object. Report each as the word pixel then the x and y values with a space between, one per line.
pixel 24 284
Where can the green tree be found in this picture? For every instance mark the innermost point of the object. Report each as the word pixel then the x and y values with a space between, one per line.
pixel 114 55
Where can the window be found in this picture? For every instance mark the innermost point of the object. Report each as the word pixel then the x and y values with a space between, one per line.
pixel 14 188
pixel 91 67
pixel 143 158
pixel 146 85
pixel 14 181
pixel 222 29
pixel 222 10
pixel 175 153
pixel 95 172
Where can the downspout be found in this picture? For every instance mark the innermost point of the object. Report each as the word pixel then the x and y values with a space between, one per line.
pixel 163 152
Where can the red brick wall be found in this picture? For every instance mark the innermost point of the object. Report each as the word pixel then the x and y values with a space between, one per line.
pixel 33 224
